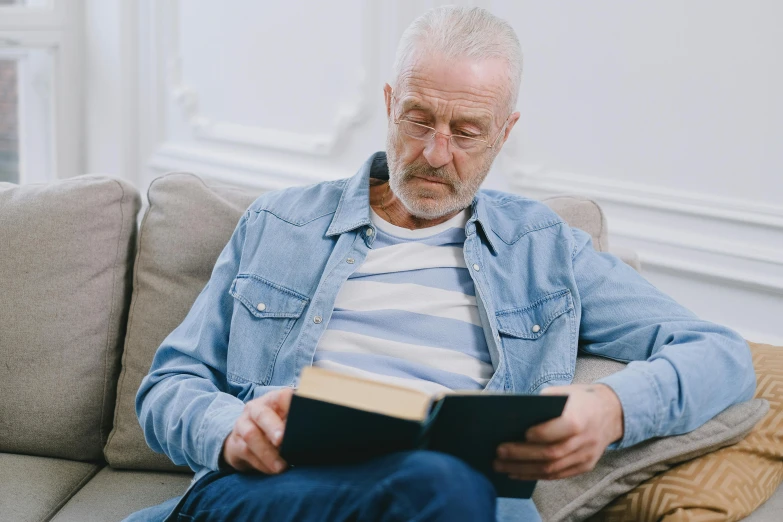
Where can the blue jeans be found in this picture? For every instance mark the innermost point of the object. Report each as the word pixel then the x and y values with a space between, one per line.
pixel 405 486
pixel 429 485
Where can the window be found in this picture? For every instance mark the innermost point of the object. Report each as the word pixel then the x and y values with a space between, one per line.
pixel 40 121
pixel 9 135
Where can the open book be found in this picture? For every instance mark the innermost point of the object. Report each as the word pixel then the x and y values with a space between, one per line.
pixel 339 419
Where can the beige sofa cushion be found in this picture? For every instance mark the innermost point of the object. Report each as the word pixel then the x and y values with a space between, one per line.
pixel 183 231
pixel 34 488
pixel 66 253
pixel 113 495
pixel 582 213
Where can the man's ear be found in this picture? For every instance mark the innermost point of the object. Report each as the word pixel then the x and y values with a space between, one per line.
pixel 512 120
pixel 387 92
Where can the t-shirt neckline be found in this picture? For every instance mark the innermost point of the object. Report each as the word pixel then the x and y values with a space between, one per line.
pixel 457 221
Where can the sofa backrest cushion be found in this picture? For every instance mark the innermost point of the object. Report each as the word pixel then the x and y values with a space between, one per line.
pixel 184 230
pixel 66 255
pixel 582 213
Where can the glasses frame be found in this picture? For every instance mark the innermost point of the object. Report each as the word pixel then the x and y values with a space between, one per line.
pixel 433 132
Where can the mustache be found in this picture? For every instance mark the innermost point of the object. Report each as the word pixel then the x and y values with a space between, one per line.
pixel 441 174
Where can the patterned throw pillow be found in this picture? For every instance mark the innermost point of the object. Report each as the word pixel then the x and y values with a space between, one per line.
pixel 724 485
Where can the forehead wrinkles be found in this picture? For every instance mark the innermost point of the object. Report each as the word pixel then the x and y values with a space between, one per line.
pixel 487 95
pixel 485 102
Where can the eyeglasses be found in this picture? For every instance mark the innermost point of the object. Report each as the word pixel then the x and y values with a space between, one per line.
pixel 468 144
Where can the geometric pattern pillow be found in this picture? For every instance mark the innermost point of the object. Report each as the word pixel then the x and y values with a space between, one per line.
pixel 727 484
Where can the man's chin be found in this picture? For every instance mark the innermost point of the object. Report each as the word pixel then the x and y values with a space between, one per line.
pixel 427 208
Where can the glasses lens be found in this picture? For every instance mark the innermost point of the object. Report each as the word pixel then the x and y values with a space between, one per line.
pixel 467 144
pixel 414 130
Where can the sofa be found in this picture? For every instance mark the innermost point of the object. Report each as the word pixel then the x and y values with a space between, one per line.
pixel 87 293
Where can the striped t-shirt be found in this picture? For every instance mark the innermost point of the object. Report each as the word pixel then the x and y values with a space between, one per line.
pixel 408 314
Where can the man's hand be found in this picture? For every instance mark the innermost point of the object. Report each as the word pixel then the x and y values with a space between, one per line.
pixel 253 443
pixel 570 444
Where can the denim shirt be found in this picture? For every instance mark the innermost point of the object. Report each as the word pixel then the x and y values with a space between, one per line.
pixel 544 295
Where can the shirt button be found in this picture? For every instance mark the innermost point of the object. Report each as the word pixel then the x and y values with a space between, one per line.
pixel 317 319
pixel 261 307
pixel 536 328
pixel 476 267
pixel 370 231
pixel 350 260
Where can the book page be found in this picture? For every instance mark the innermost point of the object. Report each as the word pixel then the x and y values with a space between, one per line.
pixel 364 394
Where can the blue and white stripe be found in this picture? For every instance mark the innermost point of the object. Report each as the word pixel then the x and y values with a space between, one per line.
pixel 408 315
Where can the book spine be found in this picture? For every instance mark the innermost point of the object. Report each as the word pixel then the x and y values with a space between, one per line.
pixel 423 440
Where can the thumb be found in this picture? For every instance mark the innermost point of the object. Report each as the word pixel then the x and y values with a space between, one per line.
pixel 556 390
pixel 280 401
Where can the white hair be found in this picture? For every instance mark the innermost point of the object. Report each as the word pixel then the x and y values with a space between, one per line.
pixel 463 32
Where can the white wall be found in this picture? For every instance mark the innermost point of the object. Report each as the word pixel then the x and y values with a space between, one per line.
pixel 666 112
pixel 670 114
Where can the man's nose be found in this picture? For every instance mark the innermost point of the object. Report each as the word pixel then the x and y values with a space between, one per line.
pixel 437 152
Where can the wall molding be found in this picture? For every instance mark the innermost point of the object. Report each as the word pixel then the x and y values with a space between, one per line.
pixel 726 240
pixel 657 198
pixel 697 242
pixel 349 115
pixel 232 169
pixel 744 278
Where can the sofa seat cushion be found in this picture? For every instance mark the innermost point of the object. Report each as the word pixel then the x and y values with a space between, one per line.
pixel 66 253
pixel 115 494
pixel 32 489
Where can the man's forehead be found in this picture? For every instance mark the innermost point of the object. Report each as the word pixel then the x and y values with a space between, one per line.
pixel 416 101
pixel 475 86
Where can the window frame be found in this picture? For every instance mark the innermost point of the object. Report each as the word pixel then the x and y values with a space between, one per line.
pixel 52 107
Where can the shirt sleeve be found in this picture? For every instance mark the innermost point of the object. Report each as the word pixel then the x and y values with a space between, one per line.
pixel 681 371
pixel 185 405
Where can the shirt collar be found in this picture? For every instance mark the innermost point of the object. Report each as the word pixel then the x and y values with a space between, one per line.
pixel 353 210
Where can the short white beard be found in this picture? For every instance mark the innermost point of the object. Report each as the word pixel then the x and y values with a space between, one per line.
pixel 422 203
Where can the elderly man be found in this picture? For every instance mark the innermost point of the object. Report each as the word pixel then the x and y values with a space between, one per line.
pixel 408 273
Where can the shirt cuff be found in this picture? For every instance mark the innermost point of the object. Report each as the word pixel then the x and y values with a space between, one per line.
pixel 640 398
pixel 217 426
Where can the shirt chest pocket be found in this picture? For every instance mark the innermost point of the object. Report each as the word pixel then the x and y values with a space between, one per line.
pixel 264 314
pixel 540 341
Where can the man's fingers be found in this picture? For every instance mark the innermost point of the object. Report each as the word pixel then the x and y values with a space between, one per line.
pixel 241 458
pixel 555 430
pixel 268 420
pixel 576 469
pixel 524 451
pixel 555 390
pixel 258 444
pixel 267 454
pixel 280 401
pixel 542 469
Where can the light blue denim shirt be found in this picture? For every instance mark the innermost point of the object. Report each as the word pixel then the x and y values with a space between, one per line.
pixel 544 294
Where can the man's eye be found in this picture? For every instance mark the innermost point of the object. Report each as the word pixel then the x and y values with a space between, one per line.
pixel 467 134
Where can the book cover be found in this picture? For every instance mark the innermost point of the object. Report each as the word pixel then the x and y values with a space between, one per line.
pixel 337 419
